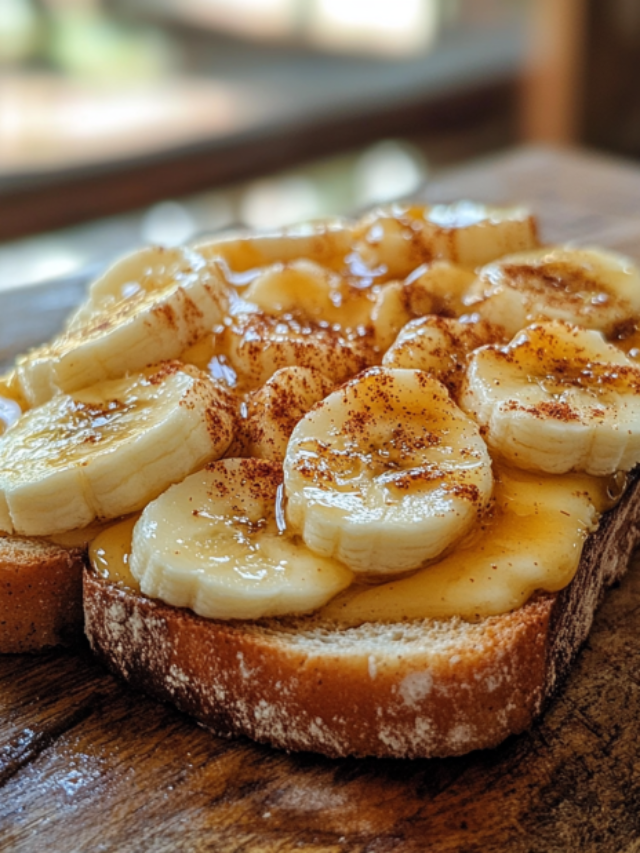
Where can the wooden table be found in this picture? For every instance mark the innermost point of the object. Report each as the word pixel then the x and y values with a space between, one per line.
pixel 88 765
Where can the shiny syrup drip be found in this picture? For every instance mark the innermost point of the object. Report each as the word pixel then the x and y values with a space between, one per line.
pixel 109 553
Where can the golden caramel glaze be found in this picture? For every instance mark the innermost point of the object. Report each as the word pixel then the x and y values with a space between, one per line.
pixel 530 538
pixel 626 336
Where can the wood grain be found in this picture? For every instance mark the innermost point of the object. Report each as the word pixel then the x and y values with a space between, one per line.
pixel 89 765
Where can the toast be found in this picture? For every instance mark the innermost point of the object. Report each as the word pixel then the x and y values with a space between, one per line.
pixel 411 433
pixel 413 689
pixel 40 594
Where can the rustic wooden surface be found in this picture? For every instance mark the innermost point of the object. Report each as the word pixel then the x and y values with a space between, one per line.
pixel 88 765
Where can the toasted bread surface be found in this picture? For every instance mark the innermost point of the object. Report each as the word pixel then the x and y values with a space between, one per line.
pixel 416 689
pixel 40 594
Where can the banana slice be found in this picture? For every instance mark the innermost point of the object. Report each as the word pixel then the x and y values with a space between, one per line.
pixel 325 242
pixel 147 308
pixel 589 287
pixel 386 472
pixel 393 242
pixel 149 269
pixel 557 399
pixel 310 292
pixel 390 313
pixel 439 346
pixel 215 543
pixel 272 412
pixel 109 449
pixel 439 287
pixel 434 288
pixel 256 345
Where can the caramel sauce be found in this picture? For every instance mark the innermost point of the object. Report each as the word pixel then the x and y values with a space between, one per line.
pixel 109 553
pixel 628 340
pixel 530 540
pixel 207 356
pixel 81 536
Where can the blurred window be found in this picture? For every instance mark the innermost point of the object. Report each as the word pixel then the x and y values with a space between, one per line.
pixel 184 116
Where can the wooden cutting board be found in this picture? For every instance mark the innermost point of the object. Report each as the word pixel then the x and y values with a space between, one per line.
pixel 89 765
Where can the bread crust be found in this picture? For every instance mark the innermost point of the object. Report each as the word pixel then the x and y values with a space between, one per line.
pixel 419 689
pixel 40 595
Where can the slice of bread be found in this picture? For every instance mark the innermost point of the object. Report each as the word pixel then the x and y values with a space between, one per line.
pixel 416 689
pixel 40 594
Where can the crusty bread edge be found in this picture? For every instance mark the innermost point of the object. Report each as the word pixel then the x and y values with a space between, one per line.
pixel 421 689
pixel 605 559
pixel 40 595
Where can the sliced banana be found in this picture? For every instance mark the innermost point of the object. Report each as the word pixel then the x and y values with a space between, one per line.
pixel 557 399
pixel 434 288
pixel 149 269
pixel 438 287
pixel 390 313
pixel 385 473
pixel 593 288
pixel 256 345
pixel 327 243
pixel 272 412
pixel 215 543
pixel 109 449
pixel 310 292
pixel 147 308
pixel 393 242
pixel 439 346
